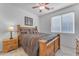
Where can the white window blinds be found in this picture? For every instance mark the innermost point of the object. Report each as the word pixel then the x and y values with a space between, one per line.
pixel 63 23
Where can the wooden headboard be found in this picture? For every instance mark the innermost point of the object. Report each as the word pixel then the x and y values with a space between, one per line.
pixel 27 29
pixel 24 30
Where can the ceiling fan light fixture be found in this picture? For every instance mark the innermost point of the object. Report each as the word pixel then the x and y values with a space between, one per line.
pixel 41 7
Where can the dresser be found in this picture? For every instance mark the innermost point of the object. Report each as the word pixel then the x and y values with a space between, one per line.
pixel 10 44
pixel 77 47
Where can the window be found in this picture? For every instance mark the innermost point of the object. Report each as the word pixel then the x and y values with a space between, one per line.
pixel 63 23
pixel 56 24
pixel 28 21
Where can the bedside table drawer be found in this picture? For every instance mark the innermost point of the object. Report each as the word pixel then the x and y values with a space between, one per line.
pixel 7 48
pixel 10 44
pixel 15 45
pixel 14 42
pixel 6 43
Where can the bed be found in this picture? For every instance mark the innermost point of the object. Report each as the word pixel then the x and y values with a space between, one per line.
pixel 37 44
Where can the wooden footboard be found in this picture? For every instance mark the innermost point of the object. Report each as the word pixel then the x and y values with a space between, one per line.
pixel 49 48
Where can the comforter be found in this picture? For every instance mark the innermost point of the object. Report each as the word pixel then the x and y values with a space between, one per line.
pixel 30 43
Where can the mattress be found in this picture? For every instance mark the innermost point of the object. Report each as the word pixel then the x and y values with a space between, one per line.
pixel 48 37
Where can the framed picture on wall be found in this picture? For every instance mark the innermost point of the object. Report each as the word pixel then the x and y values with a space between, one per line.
pixel 28 21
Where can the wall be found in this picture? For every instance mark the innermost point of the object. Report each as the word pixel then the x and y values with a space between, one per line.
pixel 10 15
pixel 66 38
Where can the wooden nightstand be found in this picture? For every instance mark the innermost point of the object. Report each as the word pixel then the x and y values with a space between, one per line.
pixel 10 44
pixel 77 47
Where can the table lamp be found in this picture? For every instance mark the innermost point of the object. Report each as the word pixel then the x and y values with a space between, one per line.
pixel 11 28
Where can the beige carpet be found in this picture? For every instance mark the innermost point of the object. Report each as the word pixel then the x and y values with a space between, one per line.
pixel 64 51
pixel 17 52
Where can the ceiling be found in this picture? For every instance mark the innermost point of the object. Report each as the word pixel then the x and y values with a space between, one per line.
pixel 53 7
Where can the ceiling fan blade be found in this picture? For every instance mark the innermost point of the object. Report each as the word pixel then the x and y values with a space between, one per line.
pixel 35 7
pixel 46 3
pixel 47 8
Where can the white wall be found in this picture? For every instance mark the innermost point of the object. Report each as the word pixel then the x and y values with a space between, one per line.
pixel 66 39
pixel 10 15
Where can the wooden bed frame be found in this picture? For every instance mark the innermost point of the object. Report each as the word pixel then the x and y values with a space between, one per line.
pixel 50 48
pixel 46 48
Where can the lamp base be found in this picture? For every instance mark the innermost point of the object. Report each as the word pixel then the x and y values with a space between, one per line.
pixel 11 35
pixel 11 38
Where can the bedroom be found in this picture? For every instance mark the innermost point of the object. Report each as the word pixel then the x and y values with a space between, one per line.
pixel 13 14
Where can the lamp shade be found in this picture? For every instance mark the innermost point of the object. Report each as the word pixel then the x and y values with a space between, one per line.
pixel 11 28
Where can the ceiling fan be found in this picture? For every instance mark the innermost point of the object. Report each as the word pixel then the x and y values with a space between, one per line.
pixel 41 6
